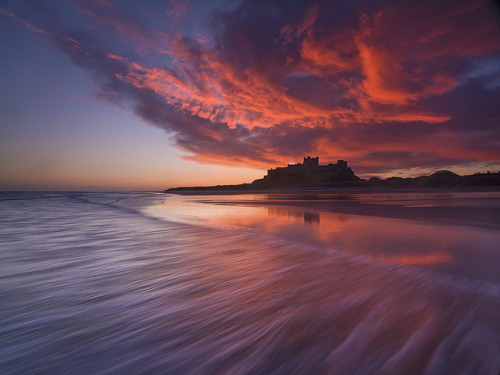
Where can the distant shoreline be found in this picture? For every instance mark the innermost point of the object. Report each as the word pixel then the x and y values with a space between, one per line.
pixel 347 190
pixel 307 181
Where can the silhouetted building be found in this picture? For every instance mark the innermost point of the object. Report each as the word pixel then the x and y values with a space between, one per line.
pixel 311 174
pixel 308 173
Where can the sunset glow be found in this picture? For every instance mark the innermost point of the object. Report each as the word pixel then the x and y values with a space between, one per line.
pixel 396 88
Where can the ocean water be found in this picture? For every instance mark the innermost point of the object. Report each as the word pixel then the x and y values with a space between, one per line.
pixel 143 283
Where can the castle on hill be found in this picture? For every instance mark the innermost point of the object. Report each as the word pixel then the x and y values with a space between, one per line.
pixel 308 173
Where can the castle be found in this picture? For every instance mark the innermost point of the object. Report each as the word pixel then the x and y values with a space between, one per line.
pixel 308 173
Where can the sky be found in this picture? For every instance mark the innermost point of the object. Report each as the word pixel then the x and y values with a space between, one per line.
pixel 103 94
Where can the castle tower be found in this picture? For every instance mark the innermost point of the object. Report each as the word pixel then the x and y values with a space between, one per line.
pixel 310 162
pixel 342 163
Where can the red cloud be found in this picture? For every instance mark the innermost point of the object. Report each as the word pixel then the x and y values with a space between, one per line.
pixel 380 84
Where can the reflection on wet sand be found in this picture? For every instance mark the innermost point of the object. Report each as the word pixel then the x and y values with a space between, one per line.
pixel 308 217
pixel 357 234
pixel 463 250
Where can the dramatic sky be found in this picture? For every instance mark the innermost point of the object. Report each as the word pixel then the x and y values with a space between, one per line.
pixel 153 94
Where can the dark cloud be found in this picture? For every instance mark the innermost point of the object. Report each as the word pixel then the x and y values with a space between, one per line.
pixel 386 85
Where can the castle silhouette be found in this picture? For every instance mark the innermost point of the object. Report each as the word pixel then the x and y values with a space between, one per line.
pixel 308 173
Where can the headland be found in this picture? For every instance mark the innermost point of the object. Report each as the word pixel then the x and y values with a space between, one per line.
pixel 334 176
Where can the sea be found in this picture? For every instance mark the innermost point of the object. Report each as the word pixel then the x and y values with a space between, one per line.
pixel 154 283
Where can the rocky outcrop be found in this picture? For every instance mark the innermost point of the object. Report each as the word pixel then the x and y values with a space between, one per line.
pixel 444 178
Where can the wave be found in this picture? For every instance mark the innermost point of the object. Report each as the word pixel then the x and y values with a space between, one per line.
pixel 90 288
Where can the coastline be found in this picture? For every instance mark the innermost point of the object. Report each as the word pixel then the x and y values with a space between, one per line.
pixel 210 190
pixel 358 202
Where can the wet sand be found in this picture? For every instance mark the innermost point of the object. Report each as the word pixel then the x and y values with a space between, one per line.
pixel 451 232
pixel 166 284
pixel 477 208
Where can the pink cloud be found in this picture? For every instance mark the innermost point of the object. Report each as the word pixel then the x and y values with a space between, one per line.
pixel 374 85
pixel 24 22
pixel 179 8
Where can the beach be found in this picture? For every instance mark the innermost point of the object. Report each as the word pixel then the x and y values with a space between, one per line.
pixel 142 283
